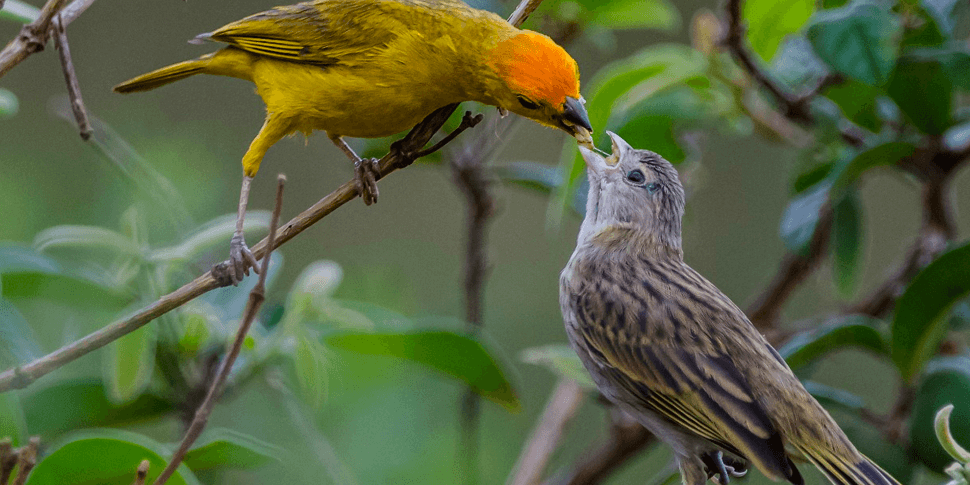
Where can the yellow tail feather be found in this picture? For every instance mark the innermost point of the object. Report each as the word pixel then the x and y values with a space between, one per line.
pixel 163 76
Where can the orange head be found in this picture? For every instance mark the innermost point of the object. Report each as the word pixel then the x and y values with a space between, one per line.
pixel 541 81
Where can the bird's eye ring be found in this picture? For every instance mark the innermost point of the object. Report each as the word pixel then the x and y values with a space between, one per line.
pixel 653 187
pixel 635 177
pixel 527 103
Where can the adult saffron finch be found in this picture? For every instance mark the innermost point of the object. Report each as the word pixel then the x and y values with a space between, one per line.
pixel 668 347
pixel 373 68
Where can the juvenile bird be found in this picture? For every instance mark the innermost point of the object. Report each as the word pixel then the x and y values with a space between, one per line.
pixel 669 348
pixel 373 68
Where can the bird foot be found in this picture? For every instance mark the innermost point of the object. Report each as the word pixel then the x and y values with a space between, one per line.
pixel 240 259
pixel 366 172
pixel 720 469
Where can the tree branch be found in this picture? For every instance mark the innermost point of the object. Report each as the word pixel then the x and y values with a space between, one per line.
pixel 70 77
pixel 33 36
pixel 256 298
pixel 627 439
pixel 560 409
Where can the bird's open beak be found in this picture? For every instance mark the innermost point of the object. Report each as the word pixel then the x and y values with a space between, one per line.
pixel 620 149
pixel 576 120
pixel 597 163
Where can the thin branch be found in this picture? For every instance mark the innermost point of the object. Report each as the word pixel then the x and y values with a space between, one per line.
pixel 70 77
pixel 26 460
pixel 256 298
pixel 141 473
pixel 560 409
pixel 627 439
pixel 8 460
pixel 32 37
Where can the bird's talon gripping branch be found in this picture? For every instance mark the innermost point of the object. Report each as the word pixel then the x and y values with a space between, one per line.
pixel 366 172
pixel 240 259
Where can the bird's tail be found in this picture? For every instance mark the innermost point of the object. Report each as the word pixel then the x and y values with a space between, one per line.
pixel 862 472
pixel 226 62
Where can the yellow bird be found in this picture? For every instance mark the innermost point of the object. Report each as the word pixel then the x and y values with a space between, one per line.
pixel 373 68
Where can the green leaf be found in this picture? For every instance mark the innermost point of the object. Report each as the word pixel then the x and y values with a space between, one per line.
pixel 946 381
pixel 945 436
pixel 8 104
pixel 128 364
pixel 19 259
pixel 633 14
pixel 801 217
pixel 770 21
pixel 812 176
pixel 797 65
pixel 853 331
pixel 105 457
pixel 920 321
pixel 951 16
pixel 922 87
pixel 869 440
pixel 562 360
pixel 86 237
pixel 12 423
pixel 450 353
pixel 312 373
pixel 859 40
pixel 882 155
pixel 221 448
pixel 829 396
pixel 89 408
pixel 18 343
pixel 847 243
pixel 531 175
pixel 212 234
pixel 18 11
pixel 857 102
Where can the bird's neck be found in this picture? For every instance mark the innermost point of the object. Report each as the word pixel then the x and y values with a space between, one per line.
pixel 627 240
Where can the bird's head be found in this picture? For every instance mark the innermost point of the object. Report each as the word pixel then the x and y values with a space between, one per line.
pixel 633 189
pixel 541 82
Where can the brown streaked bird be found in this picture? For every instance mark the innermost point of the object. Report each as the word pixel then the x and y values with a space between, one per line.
pixel 373 68
pixel 668 347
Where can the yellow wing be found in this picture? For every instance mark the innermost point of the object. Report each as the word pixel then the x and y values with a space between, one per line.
pixel 330 31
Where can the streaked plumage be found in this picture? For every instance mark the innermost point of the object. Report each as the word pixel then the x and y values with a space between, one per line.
pixel 667 346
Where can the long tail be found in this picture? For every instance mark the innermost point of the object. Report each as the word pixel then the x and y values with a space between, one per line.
pixel 863 472
pixel 226 62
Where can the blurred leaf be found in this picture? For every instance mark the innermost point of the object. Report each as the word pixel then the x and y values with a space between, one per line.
pixel 885 154
pixel 198 327
pixel 920 321
pixel 812 176
pixel 952 16
pixel 562 360
pixel 801 217
pixel 945 436
pixel 531 175
pixel 960 316
pixel 159 192
pixel 86 237
pixel 452 354
pixel 922 87
pixel 839 334
pixel 830 396
pixel 128 364
pixel 319 278
pixel 946 381
pixel 221 447
pixel 12 423
pixel 231 300
pixel 770 21
pixel 18 259
pixel 383 319
pixel 212 234
pixel 29 274
pixel 922 28
pixel 857 102
pixel 869 440
pixel 89 408
pixel 859 40
pixel 105 457
pixel 18 344
pixel 847 243
pixel 310 364
pixel 18 11
pixel 797 65
pixel 632 14
pixel 8 104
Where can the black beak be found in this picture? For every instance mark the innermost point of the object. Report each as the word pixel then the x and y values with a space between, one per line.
pixel 575 113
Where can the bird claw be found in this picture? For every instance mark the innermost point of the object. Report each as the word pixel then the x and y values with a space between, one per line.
pixel 366 171
pixel 240 259
pixel 720 468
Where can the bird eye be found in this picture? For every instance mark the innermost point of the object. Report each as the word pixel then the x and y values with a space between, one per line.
pixel 653 187
pixel 636 177
pixel 527 103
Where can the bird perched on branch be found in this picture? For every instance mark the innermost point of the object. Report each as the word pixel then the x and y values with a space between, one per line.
pixel 668 347
pixel 373 68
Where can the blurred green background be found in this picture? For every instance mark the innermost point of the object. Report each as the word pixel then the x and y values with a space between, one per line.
pixel 385 420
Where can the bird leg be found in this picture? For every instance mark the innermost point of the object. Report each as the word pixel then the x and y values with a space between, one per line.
pixel 720 468
pixel 240 257
pixel 366 171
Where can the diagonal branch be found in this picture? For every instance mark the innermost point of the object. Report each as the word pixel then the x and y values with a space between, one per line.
pixel 33 36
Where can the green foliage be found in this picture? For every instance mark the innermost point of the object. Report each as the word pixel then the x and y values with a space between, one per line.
pixel 17 11
pixel 455 355
pixel 225 448
pixel 946 381
pixel 960 470
pixel 859 40
pixel 561 360
pixel 847 244
pixel 838 334
pixel 620 14
pixel 769 22
pixel 921 320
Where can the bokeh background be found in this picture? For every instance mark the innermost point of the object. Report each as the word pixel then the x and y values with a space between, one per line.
pixel 385 420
